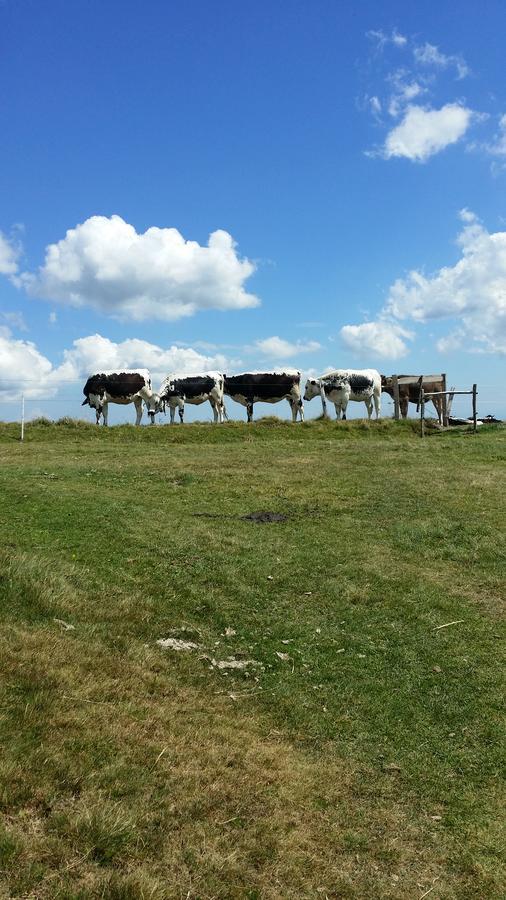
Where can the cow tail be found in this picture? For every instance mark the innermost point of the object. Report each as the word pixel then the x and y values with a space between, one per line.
pixel 322 395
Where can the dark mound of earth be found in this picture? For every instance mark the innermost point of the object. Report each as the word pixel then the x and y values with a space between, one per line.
pixel 265 516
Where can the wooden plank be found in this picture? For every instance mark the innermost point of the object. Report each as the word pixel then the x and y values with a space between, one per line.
pixel 420 392
pixel 414 379
pixel 444 409
pixel 397 406
pixel 450 402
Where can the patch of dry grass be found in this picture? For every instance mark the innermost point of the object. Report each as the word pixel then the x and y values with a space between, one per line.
pixel 365 764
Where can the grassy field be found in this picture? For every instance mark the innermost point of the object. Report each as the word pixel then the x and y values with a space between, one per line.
pixel 334 732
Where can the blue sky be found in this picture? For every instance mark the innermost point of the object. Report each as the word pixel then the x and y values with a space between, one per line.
pixel 349 159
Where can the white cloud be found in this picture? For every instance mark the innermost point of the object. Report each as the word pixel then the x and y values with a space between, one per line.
pixel 379 339
pixel 14 320
pixel 404 90
pixel 53 318
pixel 424 132
pixel 9 256
pixel 381 39
pixel 104 263
pixel 473 291
pixel 277 348
pixel 95 352
pixel 497 145
pixel 430 55
pixel 23 369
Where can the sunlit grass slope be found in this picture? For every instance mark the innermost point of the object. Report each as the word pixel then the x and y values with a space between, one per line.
pixel 355 748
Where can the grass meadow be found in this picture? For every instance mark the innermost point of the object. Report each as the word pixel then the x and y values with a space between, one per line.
pixel 334 732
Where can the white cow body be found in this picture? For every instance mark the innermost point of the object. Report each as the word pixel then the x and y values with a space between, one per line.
pixel 176 390
pixel 343 385
pixel 131 386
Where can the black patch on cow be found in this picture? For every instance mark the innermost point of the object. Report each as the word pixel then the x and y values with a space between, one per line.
pixel 265 516
pixel 190 387
pixel 119 384
pixel 360 383
pixel 260 386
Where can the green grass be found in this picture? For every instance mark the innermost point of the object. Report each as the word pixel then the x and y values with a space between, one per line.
pixel 358 756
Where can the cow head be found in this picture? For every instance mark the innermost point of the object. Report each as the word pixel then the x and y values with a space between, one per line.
pixel 154 405
pixel 312 388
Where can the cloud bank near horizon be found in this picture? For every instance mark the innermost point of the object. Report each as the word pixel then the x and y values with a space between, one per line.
pixel 472 292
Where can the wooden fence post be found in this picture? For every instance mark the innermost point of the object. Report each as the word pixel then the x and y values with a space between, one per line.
pixel 450 402
pixel 445 402
pixel 474 407
pixel 421 401
pixel 395 383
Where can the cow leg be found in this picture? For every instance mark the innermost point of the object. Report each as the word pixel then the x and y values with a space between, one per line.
pixel 300 405
pixel 293 407
pixel 181 411
pixel 138 410
pixel 404 403
pixel 224 414
pixel 344 405
pixel 214 407
pixel 249 410
pixel 368 404
pixel 377 404
pixel 172 411
pixel 98 413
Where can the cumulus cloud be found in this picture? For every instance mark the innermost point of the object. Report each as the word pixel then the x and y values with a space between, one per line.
pixel 23 369
pixel 425 126
pixel 10 252
pixel 473 291
pixel 430 55
pixel 277 348
pixel 379 339
pixel 105 264
pixel 424 132
pixel 97 353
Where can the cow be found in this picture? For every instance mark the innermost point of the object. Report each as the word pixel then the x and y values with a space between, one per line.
pixel 195 389
pixel 132 386
pixel 343 385
pixel 410 393
pixel 266 387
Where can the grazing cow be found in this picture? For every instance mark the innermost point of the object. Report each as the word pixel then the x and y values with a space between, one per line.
pixel 195 389
pixel 266 387
pixel 133 386
pixel 410 393
pixel 343 385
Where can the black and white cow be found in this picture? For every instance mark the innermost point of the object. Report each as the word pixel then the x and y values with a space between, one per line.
pixel 175 391
pixel 133 386
pixel 343 385
pixel 266 387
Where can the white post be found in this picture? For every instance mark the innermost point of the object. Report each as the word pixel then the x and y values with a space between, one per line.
pixel 22 417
